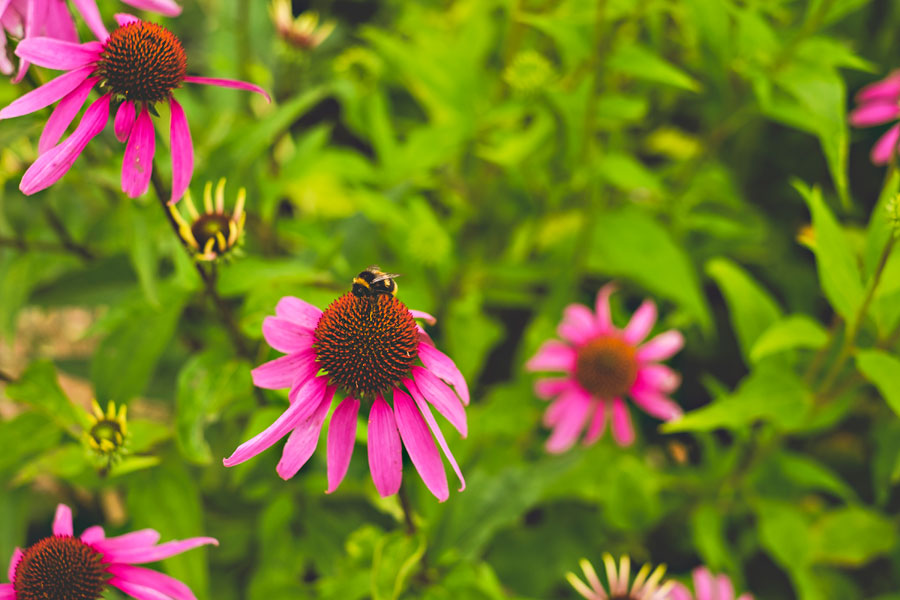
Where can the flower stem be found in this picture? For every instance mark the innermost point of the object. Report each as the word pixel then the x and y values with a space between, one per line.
pixel 64 237
pixel 407 510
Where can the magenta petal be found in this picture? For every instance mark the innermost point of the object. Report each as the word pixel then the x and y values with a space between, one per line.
pixel 62 521
pixel 656 404
pixel 439 436
pixel 703 582
pixel 623 432
pixel 304 438
pixel 7 591
pixel 874 113
pixel 597 424
pixel 58 22
pixel 420 445
pixel 286 371
pixel 134 539
pixel 724 587
pixel 182 152
pixel 160 552
pixel 64 114
pixel 137 164
pixel 311 395
pixel 553 355
pixel 58 54
pixel 578 324
pixel 421 314
pixel 545 389
pixel 657 378
pixel 883 150
pixel 441 365
pixel 123 19
pixel 91 15
pixel 440 396
pixel 286 336
pixel 299 312
pixel 163 7
pixel 570 422
pixel 134 590
pixel 602 308
pixel 641 323
pixel 228 83
pixel 888 89
pixel 679 592
pixel 661 347
pixel 47 94
pixel 13 563
pixel 92 534
pixel 124 121
pixel 341 436
pixel 148 578
pixel 385 460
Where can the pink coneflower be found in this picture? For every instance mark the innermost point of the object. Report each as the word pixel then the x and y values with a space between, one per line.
pixel 371 349
pixel 880 103
pixel 63 567
pixel 646 585
pixel 707 587
pixel 137 66
pixel 602 364
pixel 23 19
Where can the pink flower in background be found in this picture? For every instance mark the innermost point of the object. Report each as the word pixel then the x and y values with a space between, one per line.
pixel 646 585
pixel 602 364
pixel 371 349
pixel 879 103
pixel 135 67
pixel 23 19
pixel 91 14
pixel 707 587
pixel 64 567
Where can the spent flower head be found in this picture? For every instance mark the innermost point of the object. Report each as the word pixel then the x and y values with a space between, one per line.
pixel 647 585
pixel 216 232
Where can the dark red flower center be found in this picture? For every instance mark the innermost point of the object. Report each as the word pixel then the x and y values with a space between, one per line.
pixel 60 568
pixel 366 344
pixel 606 367
pixel 142 62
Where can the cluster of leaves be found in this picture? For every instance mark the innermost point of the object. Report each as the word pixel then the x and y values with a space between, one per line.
pixel 507 157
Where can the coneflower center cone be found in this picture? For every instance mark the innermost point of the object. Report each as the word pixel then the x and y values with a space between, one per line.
pixel 366 345
pixel 210 226
pixel 60 568
pixel 606 367
pixel 142 62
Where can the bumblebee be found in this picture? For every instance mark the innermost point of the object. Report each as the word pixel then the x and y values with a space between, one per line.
pixel 373 281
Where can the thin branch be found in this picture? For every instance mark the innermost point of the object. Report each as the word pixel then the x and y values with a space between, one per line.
pixel 407 510
pixel 64 237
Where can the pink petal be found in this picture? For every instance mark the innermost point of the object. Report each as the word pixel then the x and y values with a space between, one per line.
pixel 13 563
pixel 661 347
pixel 298 311
pixel 545 389
pixel 385 460
pixel 655 404
pixel 142 537
pixel 441 365
pixel 641 323
pixel 286 371
pixel 124 121
pixel 420 445
pixel 679 592
pixel 92 535
pixel 47 94
pixel 656 377
pixel 64 114
pixel 160 552
pixel 703 584
pixel 602 308
pixel 137 591
pixel 58 22
pixel 228 83
pixel 91 15
pixel 123 19
pixel 341 436
pixel 148 578
pixel 553 355
pixel 163 7
pixel 304 438
pixel 182 152
pixel 882 151
pixel 874 113
pixel 137 165
pixel 597 423
pixel 570 422
pixel 62 521
pixel 58 54
pixel 440 396
pixel 311 394
pixel 421 314
pixel 725 589
pixel 286 336
pixel 432 424
pixel 623 432
pixel 7 591
pixel 747 596
pixel 578 324
pixel 888 89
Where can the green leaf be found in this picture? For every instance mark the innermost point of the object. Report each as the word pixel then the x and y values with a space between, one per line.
pixel 395 558
pixel 750 306
pixel 64 462
pixel 852 536
pixel 643 63
pixel 806 473
pixel 883 370
pixel 792 331
pixel 142 252
pixel 39 388
pixel 784 532
pixel 708 532
pixel 627 173
pixel 25 436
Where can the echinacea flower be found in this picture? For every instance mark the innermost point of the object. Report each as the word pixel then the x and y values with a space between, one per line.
pixel 108 430
pixel 879 103
pixel 91 14
pixel 602 364
pixel 65 567
pixel 23 19
pixel 707 587
pixel 646 585
pixel 216 232
pixel 139 65
pixel 370 348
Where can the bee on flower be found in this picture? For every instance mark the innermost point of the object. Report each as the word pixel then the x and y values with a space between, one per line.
pixel 214 233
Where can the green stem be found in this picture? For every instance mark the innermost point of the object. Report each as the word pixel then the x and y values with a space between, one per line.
pixel 407 510
pixel 64 237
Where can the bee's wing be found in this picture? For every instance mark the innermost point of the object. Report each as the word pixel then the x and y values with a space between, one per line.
pixel 384 276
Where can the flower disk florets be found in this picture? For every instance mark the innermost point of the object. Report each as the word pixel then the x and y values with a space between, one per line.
pixel 142 62
pixel 366 344
pixel 606 367
pixel 60 568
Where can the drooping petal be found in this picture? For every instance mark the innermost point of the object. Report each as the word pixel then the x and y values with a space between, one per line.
pixel 13 563
pixel 385 459
pixel 440 396
pixel 656 404
pixel 62 521
pixel 578 324
pixel 91 15
pixel 603 310
pixel 123 19
pixel 570 422
pixel 160 552
pixel 874 113
pixel 286 336
pixel 298 311
pixel 443 366
pixel 304 438
pixel 421 314
pixel 724 588
pixel 228 83
pixel 622 429
pixel 657 377
pixel 47 94
pixel 7 591
pixel 124 121
pixel 420 445
pixel 285 371
pixel 884 148
pixel 134 539
pixel 164 7
pixel 641 323
pixel 141 592
pixel 58 54
pixel 660 347
pixel 148 578
pixel 341 435
pixel 438 434
pixel 58 22
pixel 92 534
pixel 311 394
pixel 545 389
pixel 703 583
pixel 553 355
pixel 64 114
pixel 182 152
pixel 137 164
pixel 597 424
